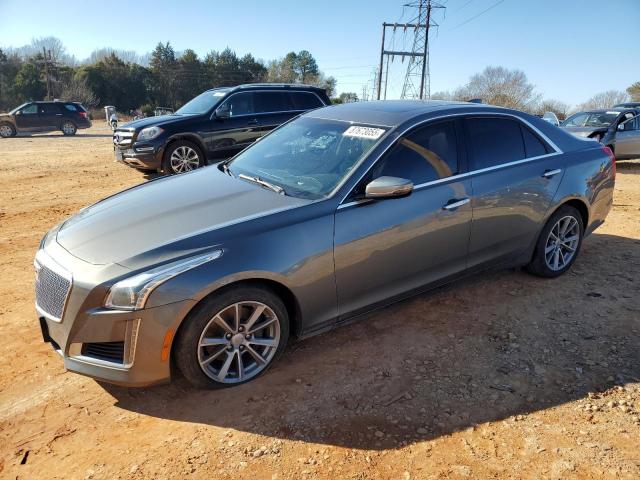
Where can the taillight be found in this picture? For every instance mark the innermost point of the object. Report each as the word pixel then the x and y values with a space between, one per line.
pixel 610 154
pixel 83 114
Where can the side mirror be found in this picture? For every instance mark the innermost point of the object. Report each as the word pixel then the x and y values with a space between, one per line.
pixel 621 127
pixel 388 187
pixel 19 112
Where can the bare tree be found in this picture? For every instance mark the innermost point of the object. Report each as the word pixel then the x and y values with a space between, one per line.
pixel 500 86
pixel 634 92
pixel 77 90
pixel 561 109
pixel 604 100
pixel 445 95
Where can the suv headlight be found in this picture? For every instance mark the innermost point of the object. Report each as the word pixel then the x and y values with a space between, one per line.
pixel 149 133
pixel 132 293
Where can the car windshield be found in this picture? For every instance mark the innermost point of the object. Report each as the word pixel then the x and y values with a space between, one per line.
pixel 307 157
pixel 12 112
pixel 592 119
pixel 202 103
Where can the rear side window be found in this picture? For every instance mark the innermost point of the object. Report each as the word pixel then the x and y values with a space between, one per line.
pixel 305 101
pixel 71 107
pixel 265 102
pixel 49 108
pixel 534 146
pixel 424 155
pixel 494 141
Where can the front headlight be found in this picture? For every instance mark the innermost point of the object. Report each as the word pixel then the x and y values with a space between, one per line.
pixel 149 133
pixel 132 293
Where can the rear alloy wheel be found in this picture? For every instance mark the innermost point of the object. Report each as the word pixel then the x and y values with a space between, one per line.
pixel 559 243
pixel 7 130
pixel 68 128
pixel 232 338
pixel 182 157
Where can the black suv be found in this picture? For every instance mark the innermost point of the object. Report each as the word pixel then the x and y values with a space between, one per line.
pixel 215 125
pixel 33 117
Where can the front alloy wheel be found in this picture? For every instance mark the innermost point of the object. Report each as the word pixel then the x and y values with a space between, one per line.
pixel 239 342
pixel 182 157
pixel 232 337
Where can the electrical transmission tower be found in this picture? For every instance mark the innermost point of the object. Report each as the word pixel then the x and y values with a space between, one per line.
pixel 416 82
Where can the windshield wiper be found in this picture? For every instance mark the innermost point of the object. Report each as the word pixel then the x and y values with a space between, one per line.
pixel 262 183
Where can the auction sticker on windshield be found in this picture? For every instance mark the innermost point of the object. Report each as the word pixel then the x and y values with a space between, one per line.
pixel 363 132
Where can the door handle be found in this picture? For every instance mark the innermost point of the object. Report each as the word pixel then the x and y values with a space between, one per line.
pixel 551 173
pixel 453 204
pixel 252 122
pixel 58 114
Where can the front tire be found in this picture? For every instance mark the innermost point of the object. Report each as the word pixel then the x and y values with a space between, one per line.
pixel 68 129
pixel 559 243
pixel 7 130
pixel 181 157
pixel 232 337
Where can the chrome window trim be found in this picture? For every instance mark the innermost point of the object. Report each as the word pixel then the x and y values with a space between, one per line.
pixel 212 116
pixel 558 151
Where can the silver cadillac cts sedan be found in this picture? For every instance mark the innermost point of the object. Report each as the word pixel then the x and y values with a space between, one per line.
pixel 342 210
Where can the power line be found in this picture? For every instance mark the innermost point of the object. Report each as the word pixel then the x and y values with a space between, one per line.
pixel 476 16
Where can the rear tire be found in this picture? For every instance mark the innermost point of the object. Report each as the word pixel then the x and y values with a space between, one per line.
pixel 68 128
pixel 7 130
pixel 559 243
pixel 238 343
pixel 181 157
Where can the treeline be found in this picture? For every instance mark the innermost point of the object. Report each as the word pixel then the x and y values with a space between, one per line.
pixel 169 80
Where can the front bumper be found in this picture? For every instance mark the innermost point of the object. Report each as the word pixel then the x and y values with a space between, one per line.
pixel 147 157
pixel 115 346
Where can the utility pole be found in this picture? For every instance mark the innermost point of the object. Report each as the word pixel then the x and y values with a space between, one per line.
pixel 418 66
pixel 46 73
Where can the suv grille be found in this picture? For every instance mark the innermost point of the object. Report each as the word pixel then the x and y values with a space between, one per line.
pixel 122 137
pixel 107 351
pixel 52 290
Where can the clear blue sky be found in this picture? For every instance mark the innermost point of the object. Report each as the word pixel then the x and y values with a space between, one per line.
pixel 570 49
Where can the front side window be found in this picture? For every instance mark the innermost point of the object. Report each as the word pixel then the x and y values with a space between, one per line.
pixel 601 119
pixel 267 102
pixel 308 157
pixel 427 154
pixel 494 141
pixel 238 104
pixel 30 109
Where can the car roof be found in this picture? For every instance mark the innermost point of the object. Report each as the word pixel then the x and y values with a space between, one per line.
pixel 390 113
pixel 270 86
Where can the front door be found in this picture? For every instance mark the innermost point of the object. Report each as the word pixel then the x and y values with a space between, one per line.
pixel 385 248
pixel 515 175
pixel 627 143
pixel 27 118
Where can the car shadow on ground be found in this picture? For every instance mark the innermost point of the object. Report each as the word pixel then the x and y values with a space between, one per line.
pixel 492 346
pixel 628 166
pixel 61 135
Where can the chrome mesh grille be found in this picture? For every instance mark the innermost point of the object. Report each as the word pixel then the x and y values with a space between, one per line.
pixel 51 292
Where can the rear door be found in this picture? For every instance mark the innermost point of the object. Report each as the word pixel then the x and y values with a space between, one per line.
pixel 50 116
pixel 514 174
pixel 272 109
pixel 388 247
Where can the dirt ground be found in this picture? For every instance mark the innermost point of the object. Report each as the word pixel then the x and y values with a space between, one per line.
pixel 502 375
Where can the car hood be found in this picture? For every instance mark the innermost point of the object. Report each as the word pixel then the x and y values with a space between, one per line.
pixel 585 131
pixel 172 213
pixel 155 121
pixel 5 115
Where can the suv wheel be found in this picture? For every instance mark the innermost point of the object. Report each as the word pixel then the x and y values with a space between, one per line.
pixel 232 337
pixel 68 128
pixel 7 130
pixel 559 243
pixel 182 156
